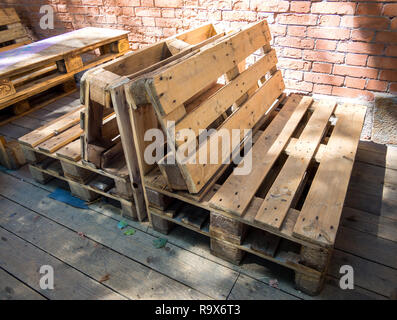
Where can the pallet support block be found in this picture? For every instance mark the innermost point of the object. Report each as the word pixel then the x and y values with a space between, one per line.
pixel 39 176
pixel 158 200
pixel 76 173
pixel 80 192
pixel 225 251
pixel 227 229
pixel 161 225
pixel 128 209
pixel 318 259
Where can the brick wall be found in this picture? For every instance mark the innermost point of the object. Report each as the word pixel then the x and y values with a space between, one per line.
pixel 343 48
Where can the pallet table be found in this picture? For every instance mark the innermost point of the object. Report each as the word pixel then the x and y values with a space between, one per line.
pixel 31 73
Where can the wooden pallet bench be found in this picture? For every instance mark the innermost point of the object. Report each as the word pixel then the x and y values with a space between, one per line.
pixel 12 33
pixel 301 165
pixel 29 74
pixel 102 93
pixel 195 100
pixel 54 151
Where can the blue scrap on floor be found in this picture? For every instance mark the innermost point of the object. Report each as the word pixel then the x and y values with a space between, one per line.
pixel 65 197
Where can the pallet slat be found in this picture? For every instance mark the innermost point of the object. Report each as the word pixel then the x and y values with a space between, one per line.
pixel 281 194
pixel 264 153
pixel 36 137
pixel 320 214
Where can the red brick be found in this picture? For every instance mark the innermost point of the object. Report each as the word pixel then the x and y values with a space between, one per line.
pixel 147 3
pixel 389 75
pixel 298 85
pixel 168 3
pixel 370 9
pixel 294 64
pixel 393 25
pixel 293 74
pixel 269 5
pixel 148 21
pixel 126 3
pixel 322 89
pixel 169 22
pixel 391 51
pixel 322 67
pixel 329 21
pixel 238 15
pixel 323 78
pixel 325 44
pixel 358 72
pixel 292 53
pixel 298 31
pixel 323 56
pixel 352 93
pixel 148 12
pixel 168 13
pixel 276 29
pixel 362 35
pixel 168 32
pixel 381 62
pixel 377 23
pixel 333 8
pixel 327 33
pixel 295 42
pixel 356 59
pixel 393 88
pixel 355 83
pixel 92 2
pixel 361 47
pixel 300 6
pixel 377 85
pixel 387 36
pixel 390 9
pixel 299 19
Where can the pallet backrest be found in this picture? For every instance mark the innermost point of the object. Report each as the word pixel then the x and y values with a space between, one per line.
pixel 97 84
pixel 240 101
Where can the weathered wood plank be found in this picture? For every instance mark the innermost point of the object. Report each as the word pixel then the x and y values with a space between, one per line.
pixel 13 289
pixel 213 107
pixel 320 214
pixel 55 143
pixel 23 260
pixel 49 130
pixel 197 174
pixel 195 73
pixel 125 275
pixel 281 194
pixel 174 262
pixel 264 153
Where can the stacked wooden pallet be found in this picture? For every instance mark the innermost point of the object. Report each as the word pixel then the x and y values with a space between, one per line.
pixel 54 151
pixel 287 207
pixel 36 74
pixel 102 93
pixel 12 33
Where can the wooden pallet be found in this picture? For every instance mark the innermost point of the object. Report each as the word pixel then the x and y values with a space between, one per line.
pixel 54 151
pixel 43 65
pixel 12 33
pixel 195 100
pixel 102 92
pixel 302 159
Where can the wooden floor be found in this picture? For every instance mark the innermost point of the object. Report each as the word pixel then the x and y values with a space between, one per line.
pixel 93 259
